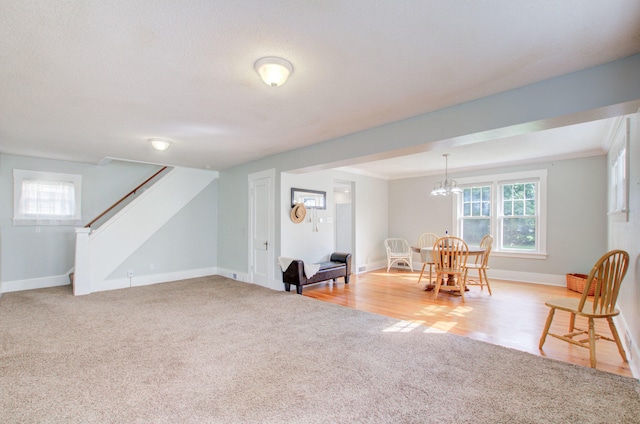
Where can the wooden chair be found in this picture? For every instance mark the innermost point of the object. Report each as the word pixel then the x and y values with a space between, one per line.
pixel 481 264
pixel 427 240
pixel 398 250
pixel 607 275
pixel 450 255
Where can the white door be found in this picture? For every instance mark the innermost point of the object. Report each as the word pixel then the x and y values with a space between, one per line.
pixel 261 260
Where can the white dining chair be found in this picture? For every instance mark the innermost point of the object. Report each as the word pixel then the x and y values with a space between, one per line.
pixel 398 251
pixel 425 243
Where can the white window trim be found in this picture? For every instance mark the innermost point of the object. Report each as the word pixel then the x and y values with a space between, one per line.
pixel 618 183
pixel 19 219
pixel 540 176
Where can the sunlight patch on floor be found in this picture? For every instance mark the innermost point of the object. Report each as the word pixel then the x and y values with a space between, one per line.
pixel 441 327
pixel 433 310
pixel 405 276
pixel 408 326
pixel 461 311
pixel 439 310
pixel 403 327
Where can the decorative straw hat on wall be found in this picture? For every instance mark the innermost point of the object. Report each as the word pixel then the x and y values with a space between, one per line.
pixel 298 212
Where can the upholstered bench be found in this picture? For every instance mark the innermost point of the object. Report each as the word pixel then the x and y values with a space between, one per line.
pixel 339 265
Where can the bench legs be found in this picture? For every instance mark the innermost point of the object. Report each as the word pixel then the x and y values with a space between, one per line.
pixel 287 286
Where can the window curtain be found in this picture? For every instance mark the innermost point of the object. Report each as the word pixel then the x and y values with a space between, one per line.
pixel 48 199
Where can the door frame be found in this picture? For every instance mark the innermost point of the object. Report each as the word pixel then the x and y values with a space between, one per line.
pixel 352 195
pixel 252 178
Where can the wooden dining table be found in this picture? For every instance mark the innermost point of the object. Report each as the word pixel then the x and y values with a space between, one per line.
pixel 473 251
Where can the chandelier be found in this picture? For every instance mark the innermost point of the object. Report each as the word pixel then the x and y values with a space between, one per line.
pixel 446 187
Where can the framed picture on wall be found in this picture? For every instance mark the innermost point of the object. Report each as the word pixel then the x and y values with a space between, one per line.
pixel 312 199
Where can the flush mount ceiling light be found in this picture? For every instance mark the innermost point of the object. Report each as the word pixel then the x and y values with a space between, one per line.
pixel 446 187
pixel 159 144
pixel 274 71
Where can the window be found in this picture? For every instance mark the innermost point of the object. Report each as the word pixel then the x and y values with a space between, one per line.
pixel 45 198
pixel 619 172
pixel 510 207
pixel 476 213
pixel 518 220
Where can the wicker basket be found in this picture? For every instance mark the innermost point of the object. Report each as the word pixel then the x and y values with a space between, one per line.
pixel 576 283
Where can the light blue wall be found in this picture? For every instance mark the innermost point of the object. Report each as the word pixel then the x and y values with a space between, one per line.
pixel 27 253
pixel 576 213
pixel 601 92
pixel 189 241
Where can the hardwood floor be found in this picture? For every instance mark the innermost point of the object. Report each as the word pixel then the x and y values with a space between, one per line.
pixel 513 316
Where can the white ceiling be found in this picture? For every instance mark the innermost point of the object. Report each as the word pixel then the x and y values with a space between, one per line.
pixel 89 80
pixel 588 139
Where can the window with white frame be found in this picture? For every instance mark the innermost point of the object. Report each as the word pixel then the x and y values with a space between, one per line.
pixel 475 221
pixel 46 198
pixel 618 171
pixel 510 207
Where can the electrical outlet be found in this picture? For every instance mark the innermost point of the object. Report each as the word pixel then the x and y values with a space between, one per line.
pixel 130 273
pixel 234 276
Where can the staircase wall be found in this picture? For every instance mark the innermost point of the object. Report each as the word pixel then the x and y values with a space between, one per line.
pixel 101 252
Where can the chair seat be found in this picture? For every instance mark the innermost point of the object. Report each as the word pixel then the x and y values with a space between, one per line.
pixel 571 305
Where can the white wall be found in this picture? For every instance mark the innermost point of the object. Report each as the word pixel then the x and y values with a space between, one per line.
pixel 300 241
pixel 626 236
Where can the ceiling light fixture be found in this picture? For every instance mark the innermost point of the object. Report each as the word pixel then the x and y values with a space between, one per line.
pixel 159 144
pixel 274 71
pixel 446 187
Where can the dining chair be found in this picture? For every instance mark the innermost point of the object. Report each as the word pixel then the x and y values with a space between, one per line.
pixel 427 240
pixel 481 264
pixel 607 274
pixel 398 250
pixel 450 255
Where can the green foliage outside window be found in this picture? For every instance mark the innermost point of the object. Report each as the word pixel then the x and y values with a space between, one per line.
pixel 519 210
pixel 476 212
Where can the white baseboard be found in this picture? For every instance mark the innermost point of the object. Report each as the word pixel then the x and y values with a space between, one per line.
pixel 234 275
pixel 35 283
pixel 528 277
pixel 633 354
pixel 145 280
pixel 244 277
pixel 359 269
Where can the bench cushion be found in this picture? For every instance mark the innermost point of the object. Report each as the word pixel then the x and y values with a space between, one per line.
pixel 331 265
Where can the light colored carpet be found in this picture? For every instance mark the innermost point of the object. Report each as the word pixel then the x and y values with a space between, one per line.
pixel 212 350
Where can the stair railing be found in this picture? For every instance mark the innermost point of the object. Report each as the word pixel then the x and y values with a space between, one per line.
pixel 125 197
